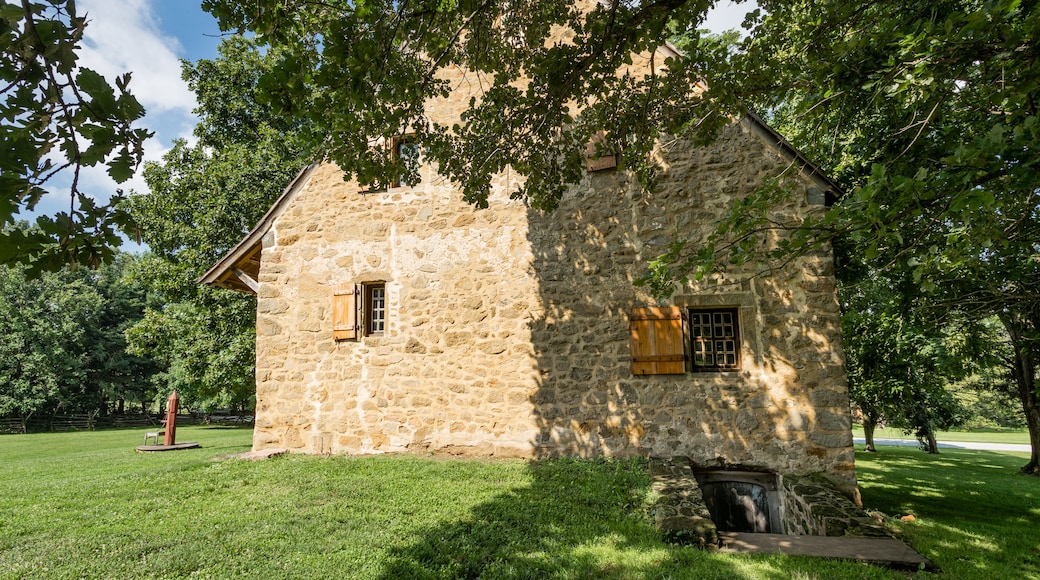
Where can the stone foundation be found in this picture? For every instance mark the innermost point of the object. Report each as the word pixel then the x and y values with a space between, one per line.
pixel 679 512
pixel 809 505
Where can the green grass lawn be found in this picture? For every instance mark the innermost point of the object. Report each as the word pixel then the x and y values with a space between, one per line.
pixel 988 435
pixel 975 515
pixel 87 505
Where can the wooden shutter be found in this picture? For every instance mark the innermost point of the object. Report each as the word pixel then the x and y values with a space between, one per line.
pixel 657 341
pixel 594 159
pixel 344 312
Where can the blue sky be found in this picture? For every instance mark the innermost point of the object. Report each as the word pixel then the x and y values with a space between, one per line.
pixel 149 38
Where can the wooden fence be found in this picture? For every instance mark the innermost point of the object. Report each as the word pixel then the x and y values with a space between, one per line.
pixel 92 422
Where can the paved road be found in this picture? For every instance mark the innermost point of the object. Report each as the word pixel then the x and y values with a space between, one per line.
pixel 951 444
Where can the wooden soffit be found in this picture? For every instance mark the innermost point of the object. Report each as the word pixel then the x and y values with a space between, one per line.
pixel 239 269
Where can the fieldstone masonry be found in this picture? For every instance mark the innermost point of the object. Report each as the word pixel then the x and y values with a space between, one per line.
pixel 507 330
pixel 812 507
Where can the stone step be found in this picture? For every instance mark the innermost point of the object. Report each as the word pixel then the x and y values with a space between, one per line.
pixel 884 551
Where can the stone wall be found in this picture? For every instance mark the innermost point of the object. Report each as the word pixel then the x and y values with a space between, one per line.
pixel 507 329
pixel 812 507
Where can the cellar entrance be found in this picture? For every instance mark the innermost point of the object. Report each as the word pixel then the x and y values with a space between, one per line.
pixel 742 501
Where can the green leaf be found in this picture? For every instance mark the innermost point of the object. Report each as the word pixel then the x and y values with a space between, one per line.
pixel 121 168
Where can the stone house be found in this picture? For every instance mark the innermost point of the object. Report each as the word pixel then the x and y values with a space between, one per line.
pixel 406 320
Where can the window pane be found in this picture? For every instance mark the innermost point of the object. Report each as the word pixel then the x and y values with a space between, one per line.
pixel 407 150
pixel 378 313
pixel 700 325
pixel 713 339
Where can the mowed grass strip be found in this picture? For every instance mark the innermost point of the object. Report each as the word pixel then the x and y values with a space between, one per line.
pixel 87 505
pixel 981 435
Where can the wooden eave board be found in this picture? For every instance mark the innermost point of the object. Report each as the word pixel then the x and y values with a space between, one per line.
pixel 791 153
pixel 246 254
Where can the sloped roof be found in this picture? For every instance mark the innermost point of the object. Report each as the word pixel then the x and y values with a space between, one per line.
pixel 240 267
pixel 768 134
pixel 244 258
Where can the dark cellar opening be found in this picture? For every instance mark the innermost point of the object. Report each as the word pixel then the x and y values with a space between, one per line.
pixel 742 501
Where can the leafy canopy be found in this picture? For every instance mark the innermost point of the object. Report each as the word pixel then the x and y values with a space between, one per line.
pixel 376 64
pixel 57 118
pixel 63 346
pixel 203 199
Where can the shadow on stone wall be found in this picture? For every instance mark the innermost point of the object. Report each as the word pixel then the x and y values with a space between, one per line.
pixel 785 411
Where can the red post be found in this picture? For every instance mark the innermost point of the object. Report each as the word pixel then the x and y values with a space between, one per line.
pixel 171 420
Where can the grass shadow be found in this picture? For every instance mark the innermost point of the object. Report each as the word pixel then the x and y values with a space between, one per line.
pixel 556 527
pixel 580 519
pixel 974 514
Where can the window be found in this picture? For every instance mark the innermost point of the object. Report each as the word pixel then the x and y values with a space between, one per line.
pixel 596 157
pixel 657 341
pixel 715 339
pixel 359 310
pixel 375 308
pixel 402 150
pixel 405 151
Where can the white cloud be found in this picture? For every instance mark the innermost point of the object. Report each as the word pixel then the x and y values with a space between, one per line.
pixel 728 15
pixel 123 36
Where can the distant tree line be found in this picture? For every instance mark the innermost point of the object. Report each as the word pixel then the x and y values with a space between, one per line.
pixel 68 346
pixel 64 350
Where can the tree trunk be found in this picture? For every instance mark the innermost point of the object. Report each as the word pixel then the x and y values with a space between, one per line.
pixel 1033 420
pixel 869 423
pixel 1025 378
pixel 1024 369
pixel 931 445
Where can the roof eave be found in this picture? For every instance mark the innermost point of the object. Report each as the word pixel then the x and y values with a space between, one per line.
pixel 225 273
pixel 792 153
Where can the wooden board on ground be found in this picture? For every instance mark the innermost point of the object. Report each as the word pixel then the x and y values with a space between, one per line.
pixel 174 447
pixel 884 551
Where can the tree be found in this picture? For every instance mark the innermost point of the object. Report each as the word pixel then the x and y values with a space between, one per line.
pixel 987 385
pixel 58 116
pixel 41 357
pixel 63 347
pixel 899 363
pixel 205 347
pixel 114 375
pixel 378 63
pixel 203 199
pixel 926 113
pixel 31 355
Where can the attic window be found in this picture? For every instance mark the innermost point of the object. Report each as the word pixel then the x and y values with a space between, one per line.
pixel 403 148
pixel 598 156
